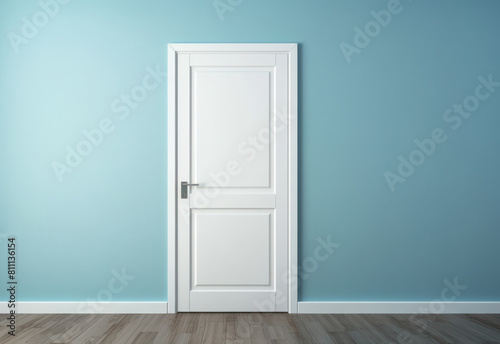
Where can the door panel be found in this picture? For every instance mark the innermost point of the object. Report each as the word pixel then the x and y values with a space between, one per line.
pixel 246 237
pixel 233 142
pixel 229 105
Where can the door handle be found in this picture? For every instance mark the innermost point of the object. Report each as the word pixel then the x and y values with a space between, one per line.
pixel 184 189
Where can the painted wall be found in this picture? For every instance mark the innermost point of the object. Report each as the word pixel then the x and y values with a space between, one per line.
pixel 364 100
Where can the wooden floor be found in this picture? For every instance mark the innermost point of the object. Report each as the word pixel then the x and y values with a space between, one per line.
pixel 242 328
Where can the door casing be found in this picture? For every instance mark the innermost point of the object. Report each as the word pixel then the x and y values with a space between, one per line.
pixel 173 183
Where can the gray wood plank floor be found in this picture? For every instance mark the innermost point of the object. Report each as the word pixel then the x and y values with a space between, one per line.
pixel 245 328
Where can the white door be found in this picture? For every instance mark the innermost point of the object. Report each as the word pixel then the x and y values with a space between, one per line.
pixel 233 111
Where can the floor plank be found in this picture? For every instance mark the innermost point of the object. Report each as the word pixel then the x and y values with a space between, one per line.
pixel 253 328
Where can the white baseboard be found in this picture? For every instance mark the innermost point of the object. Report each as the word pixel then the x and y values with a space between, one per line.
pixel 303 308
pixel 86 307
pixel 437 307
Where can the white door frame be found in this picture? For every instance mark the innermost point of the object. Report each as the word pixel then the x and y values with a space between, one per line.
pixel 173 183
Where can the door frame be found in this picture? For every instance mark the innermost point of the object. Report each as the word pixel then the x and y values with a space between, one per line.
pixel 173 184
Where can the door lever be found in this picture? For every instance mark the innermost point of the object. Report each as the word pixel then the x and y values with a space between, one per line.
pixel 184 189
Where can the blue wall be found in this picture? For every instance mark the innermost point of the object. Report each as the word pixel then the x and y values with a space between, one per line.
pixel 356 119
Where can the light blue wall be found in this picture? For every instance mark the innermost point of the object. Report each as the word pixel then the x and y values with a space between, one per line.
pixel 356 118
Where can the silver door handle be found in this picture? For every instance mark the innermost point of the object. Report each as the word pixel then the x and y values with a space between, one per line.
pixel 184 188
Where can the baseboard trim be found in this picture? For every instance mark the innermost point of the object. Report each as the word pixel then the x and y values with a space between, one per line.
pixel 437 307
pixel 303 308
pixel 87 308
